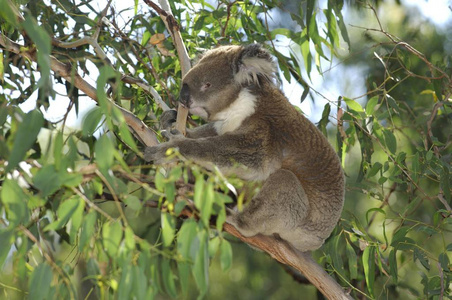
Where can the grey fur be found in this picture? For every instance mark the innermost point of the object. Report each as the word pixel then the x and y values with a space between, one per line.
pixel 254 132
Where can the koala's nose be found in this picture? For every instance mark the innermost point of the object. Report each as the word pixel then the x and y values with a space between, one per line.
pixel 184 96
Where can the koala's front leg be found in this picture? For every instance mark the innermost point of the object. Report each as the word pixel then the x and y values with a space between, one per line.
pixel 157 154
pixel 223 151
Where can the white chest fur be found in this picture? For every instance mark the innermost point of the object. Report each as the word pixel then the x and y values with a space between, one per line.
pixel 232 117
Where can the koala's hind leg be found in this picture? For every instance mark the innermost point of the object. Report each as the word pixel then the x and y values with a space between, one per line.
pixel 280 207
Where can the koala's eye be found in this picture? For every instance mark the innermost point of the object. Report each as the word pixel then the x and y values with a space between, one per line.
pixel 205 86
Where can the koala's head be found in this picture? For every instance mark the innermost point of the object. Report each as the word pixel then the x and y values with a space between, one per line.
pixel 219 76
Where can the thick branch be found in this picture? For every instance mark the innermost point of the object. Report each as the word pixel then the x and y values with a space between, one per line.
pixel 302 261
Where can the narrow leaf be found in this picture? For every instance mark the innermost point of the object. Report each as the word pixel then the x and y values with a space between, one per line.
pixel 15 201
pixel 168 228
pixel 225 255
pixel 25 137
pixel 352 261
pixel 390 141
pixel 111 237
pixel 40 282
pixel 393 265
pixel 168 279
pixel 368 260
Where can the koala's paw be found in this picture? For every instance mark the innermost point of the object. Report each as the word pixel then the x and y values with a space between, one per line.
pixel 168 118
pixel 155 154
pixel 172 134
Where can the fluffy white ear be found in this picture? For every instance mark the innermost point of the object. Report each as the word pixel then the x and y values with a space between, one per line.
pixel 254 65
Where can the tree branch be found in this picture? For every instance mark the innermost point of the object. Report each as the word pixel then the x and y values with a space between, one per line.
pixel 302 261
pixel 144 134
pixel 173 28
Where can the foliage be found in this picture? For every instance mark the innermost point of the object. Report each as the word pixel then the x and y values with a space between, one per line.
pixel 83 215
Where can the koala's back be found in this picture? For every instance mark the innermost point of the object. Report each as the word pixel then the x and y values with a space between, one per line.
pixel 295 144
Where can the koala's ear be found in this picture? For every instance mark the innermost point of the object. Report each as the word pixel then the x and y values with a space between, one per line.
pixel 254 64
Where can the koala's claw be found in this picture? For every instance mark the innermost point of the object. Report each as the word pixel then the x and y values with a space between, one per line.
pixel 171 133
pixel 168 118
pixel 149 153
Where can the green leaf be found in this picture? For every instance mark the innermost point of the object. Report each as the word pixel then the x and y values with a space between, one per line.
pixel 325 119
pixel 168 279
pixel 184 272
pixel 449 247
pixel 43 43
pixel 6 241
pixel 105 73
pixel 306 53
pixel 170 191
pixel 352 261
pixel 111 237
pixel 126 136
pixel 352 104
pixel 132 202
pixel 415 167
pixel 423 259
pixel 370 106
pixel 399 236
pixel 332 27
pixel 15 201
pixel 159 181
pixel 374 170
pixel 104 152
pixel 368 260
pixel 58 150
pixel 411 206
pixel 180 205
pixel 336 255
pixel 310 13
pixel 92 121
pixel 139 283
pixel 444 261
pixel 393 265
pixel 206 206
pixel 129 238
pixel 88 227
pixel 40 282
pixel 126 281
pixel 26 135
pixel 69 179
pixel 225 255
pixel 199 191
pixel 185 236
pixel 221 218
pixel 201 266
pixel 168 228
pixel 9 12
pixel 214 245
pixel 47 180
pixel 71 208
pixel 390 141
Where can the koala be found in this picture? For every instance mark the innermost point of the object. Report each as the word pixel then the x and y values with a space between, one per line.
pixel 253 131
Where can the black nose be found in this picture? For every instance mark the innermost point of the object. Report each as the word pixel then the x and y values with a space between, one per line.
pixel 184 96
